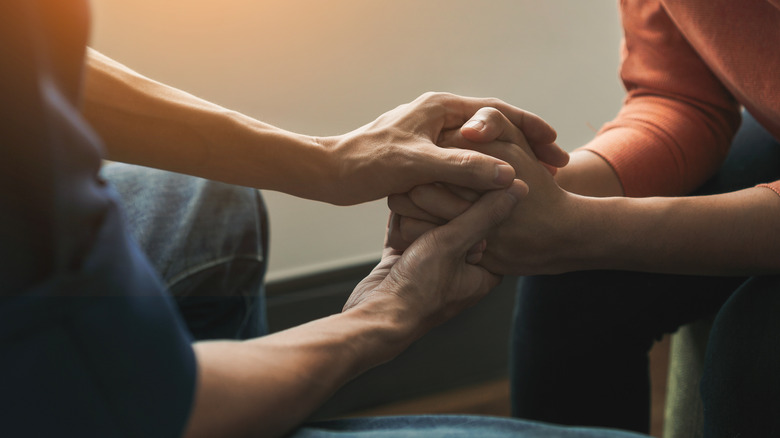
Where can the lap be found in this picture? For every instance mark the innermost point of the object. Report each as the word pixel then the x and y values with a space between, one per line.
pixel 604 322
pixel 208 241
pixel 582 309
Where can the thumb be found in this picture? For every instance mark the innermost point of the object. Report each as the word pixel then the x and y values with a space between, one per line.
pixel 490 211
pixel 489 124
pixel 464 168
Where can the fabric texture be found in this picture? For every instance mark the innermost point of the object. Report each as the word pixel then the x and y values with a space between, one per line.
pixel 580 340
pixel 687 67
pixel 449 426
pixel 209 242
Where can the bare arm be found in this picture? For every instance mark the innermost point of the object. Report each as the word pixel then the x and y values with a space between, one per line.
pixel 734 233
pixel 553 230
pixel 149 123
pixel 145 122
pixel 590 175
pixel 727 234
pixel 267 386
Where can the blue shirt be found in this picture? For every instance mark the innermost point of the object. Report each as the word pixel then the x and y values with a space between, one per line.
pixel 90 343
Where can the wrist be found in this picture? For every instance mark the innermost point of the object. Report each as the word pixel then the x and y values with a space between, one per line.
pixel 340 167
pixel 592 234
pixel 589 174
pixel 610 231
pixel 386 330
pixel 285 161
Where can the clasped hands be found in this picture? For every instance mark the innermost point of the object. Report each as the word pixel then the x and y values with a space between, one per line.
pixel 450 237
pixel 526 242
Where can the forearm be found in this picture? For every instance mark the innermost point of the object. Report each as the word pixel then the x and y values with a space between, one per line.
pixel 590 175
pixel 728 234
pixel 268 386
pixel 144 122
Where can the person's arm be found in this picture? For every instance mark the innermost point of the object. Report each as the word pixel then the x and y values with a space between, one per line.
pixel 590 175
pixel 267 386
pixel 678 119
pixel 552 230
pixel 145 122
pixel 733 233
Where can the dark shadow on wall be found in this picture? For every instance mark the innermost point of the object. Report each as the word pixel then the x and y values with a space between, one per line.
pixel 469 349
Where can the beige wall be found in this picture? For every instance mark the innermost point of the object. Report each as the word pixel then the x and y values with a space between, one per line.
pixel 328 66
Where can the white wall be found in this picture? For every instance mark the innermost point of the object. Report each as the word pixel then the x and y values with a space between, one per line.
pixel 328 66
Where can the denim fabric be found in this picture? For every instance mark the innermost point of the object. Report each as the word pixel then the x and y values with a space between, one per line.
pixel 441 426
pixel 208 241
pixel 580 340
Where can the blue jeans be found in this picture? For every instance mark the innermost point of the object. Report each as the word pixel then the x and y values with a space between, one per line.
pixel 450 426
pixel 580 340
pixel 209 242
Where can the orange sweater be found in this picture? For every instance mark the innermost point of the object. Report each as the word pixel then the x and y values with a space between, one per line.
pixel 688 66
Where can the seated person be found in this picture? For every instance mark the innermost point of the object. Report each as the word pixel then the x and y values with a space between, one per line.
pixel 638 255
pixel 91 342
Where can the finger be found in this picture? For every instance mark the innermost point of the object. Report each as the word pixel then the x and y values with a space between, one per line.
pixel 512 153
pixel 472 196
pixel 458 110
pixel 464 193
pixel 411 229
pixel 487 213
pixel 438 201
pixel 551 154
pixel 489 124
pixel 393 239
pixel 403 205
pixel 474 258
pixel 478 247
pixel 475 253
pixel 462 167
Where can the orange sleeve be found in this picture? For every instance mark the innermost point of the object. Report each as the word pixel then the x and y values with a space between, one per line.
pixel 775 187
pixel 678 120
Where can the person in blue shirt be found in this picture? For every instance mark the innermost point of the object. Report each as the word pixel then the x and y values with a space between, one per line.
pixel 92 343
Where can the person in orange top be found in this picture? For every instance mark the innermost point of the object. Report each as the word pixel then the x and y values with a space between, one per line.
pixel 637 256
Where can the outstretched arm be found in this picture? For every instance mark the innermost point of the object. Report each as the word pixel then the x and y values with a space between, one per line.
pixel 552 230
pixel 149 123
pixel 267 386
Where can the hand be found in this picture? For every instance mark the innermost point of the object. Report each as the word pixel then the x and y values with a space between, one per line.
pixel 398 150
pixel 432 281
pixel 489 124
pixel 532 240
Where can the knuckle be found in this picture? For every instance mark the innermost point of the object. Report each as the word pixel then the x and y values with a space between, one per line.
pixel 468 160
pixel 494 101
pixel 419 193
pixel 428 95
pixel 432 97
pixel 490 111
pixel 494 116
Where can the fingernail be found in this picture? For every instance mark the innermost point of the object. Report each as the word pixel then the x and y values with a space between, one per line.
pixel 504 175
pixel 475 124
pixel 517 191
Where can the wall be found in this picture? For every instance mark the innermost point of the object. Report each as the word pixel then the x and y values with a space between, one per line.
pixel 326 67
